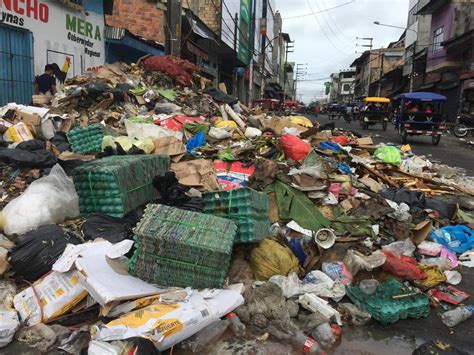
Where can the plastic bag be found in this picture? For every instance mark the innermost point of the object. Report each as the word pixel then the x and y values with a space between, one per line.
pixel 293 147
pixel 106 227
pixel 388 154
pixel 458 239
pixel 139 130
pixel 50 199
pixel 219 133
pixel 37 251
pixel 196 141
pixel 402 247
pixel 271 258
pixel 403 266
pixel 251 132
pixel 356 261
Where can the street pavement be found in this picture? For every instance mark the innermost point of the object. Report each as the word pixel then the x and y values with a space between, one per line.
pixel 451 150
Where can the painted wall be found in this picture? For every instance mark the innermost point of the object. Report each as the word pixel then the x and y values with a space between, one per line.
pixel 61 34
pixel 443 17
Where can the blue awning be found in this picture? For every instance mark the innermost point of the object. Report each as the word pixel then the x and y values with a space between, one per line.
pixel 422 96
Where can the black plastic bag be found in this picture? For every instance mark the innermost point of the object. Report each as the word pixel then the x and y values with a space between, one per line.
pixel 221 96
pixel 37 251
pixel 107 227
pixel 172 193
pixel 61 142
pixel 411 198
pixel 32 153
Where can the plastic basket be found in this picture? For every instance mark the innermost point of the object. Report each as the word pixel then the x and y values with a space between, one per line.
pixel 384 308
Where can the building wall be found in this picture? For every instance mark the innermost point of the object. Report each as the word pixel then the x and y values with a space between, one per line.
pixel 209 12
pixel 140 17
pixel 444 17
pixel 61 33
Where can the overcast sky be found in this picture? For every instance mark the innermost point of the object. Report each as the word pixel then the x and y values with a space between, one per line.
pixel 327 40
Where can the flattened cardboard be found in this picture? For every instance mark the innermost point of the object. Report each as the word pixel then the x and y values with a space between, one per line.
pixel 421 231
pixel 170 146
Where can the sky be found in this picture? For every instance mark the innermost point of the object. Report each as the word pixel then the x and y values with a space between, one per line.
pixel 326 42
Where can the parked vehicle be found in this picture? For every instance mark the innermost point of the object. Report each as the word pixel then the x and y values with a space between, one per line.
pixel 267 104
pixel 464 125
pixel 421 113
pixel 375 111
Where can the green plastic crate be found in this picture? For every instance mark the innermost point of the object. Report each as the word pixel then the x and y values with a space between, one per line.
pixel 86 140
pixel 246 207
pixel 117 185
pixel 384 308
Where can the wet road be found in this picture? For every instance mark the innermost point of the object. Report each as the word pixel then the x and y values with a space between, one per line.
pixel 451 150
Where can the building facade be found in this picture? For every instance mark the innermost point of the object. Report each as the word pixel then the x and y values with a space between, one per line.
pixel 449 63
pixel 342 86
pixel 33 34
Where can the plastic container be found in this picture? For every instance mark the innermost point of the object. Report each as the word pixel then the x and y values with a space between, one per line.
pixel 458 315
pixel 238 328
pixel 307 345
pixel 369 286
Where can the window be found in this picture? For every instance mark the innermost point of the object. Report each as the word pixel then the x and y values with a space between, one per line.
pixel 438 38
pixel 412 16
pixel 346 87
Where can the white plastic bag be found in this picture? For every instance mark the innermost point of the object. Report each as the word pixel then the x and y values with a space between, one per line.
pixel 252 132
pixel 50 199
pixel 219 133
pixel 138 130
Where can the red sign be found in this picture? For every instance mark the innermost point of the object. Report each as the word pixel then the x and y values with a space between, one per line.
pixel 29 8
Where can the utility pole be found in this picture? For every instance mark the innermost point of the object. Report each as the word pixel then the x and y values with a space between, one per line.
pixel 370 40
pixel 173 27
pixel 290 48
pixel 379 88
pixel 301 71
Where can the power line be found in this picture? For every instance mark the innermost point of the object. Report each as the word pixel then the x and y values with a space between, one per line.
pixel 323 31
pixel 328 25
pixel 335 23
pixel 312 13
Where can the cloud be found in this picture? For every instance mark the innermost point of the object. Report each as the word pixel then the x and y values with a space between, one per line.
pixel 327 41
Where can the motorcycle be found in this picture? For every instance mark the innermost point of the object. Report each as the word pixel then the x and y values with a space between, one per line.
pixel 464 125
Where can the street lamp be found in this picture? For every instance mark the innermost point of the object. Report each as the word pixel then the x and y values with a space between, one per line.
pixel 414 48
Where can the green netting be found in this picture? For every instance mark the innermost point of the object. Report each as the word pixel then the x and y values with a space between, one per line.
pixel 175 247
pixel 86 140
pixel 117 185
pixel 246 207
pixel 383 307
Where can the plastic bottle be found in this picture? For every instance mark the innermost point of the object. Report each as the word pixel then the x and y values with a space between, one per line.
pixel 324 335
pixel 457 315
pixel 369 286
pixel 236 325
pixel 306 344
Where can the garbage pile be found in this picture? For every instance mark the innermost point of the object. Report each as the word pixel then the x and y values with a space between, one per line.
pixel 143 210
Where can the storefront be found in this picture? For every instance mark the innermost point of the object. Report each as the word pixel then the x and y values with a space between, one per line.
pixel 34 33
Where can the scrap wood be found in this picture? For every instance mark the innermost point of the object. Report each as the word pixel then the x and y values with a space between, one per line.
pixel 384 178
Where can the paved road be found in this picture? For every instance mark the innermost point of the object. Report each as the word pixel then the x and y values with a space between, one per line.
pixel 450 150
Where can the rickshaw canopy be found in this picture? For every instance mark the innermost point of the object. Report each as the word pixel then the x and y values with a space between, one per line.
pixel 383 100
pixel 422 96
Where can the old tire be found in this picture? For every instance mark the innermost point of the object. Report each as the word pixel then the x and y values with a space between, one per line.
pixel 436 139
pixel 460 130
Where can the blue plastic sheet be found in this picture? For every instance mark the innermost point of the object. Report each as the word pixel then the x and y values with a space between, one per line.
pixel 196 141
pixel 329 146
pixel 458 239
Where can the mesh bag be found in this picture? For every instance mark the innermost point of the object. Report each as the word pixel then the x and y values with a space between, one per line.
pixel 246 207
pixel 117 185
pixel 176 247
pixel 86 140
pixel 386 305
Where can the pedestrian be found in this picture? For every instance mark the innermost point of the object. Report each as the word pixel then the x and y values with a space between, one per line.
pixel 45 84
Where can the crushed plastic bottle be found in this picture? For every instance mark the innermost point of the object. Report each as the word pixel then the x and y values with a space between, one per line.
pixel 458 315
pixel 369 286
pixel 306 344
pixel 236 325
pixel 324 335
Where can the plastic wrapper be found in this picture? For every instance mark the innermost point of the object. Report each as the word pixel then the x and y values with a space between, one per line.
pixel 58 292
pixel 141 131
pixel 169 324
pixel 356 261
pixel 50 199
pixel 18 133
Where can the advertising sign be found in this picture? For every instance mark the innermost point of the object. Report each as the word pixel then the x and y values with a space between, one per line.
pixel 244 34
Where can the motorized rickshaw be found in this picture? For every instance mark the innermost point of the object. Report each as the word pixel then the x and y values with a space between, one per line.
pixel 420 114
pixel 267 104
pixel 376 110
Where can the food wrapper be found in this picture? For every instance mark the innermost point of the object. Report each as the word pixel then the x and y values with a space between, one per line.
pixel 170 323
pixel 58 294
pixel 18 133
